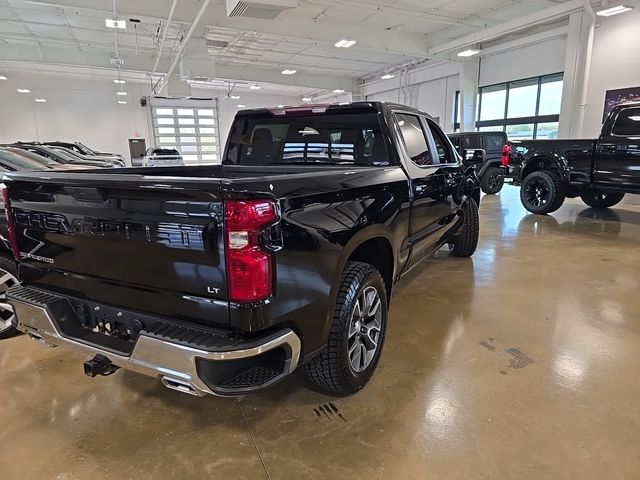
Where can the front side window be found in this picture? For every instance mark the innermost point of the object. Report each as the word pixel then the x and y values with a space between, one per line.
pixel 628 123
pixel 414 138
pixel 442 145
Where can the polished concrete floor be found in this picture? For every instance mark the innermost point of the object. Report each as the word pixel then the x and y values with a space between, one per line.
pixel 522 362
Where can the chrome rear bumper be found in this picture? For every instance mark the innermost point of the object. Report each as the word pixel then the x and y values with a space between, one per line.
pixel 177 365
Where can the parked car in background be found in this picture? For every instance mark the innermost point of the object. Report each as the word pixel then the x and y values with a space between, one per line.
pixel 83 149
pixel 229 277
pixel 60 156
pixel 599 171
pixel 162 157
pixel 12 162
pixel 45 162
pixel 490 173
pixel 112 161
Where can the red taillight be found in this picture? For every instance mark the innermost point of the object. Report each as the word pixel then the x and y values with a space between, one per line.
pixel 506 156
pixel 249 269
pixel 11 227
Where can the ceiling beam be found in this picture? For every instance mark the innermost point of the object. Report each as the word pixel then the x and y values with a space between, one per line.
pixel 544 15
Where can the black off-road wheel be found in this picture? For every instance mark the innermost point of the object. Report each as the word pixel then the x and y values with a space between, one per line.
pixel 357 333
pixel 599 199
pixel 464 244
pixel 492 181
pixel 542 192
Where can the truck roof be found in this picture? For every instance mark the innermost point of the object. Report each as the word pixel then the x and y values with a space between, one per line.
pixel 373 106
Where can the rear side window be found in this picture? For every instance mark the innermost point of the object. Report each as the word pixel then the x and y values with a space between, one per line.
pixel 471 142
pixel 628 123
pixel 493 143
pixel 415 140
pixel 445 155
pixel 334 139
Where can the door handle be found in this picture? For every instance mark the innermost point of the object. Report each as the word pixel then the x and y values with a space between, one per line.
pixel 609 147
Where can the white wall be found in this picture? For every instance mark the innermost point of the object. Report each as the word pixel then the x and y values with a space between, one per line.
pixel 77 109
pixel 525 62
pixel 615 64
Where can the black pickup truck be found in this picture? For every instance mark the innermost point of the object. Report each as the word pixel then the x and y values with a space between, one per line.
pixel 598 171
pixel 224 279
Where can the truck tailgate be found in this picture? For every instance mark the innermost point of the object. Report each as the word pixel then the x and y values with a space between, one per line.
pixel 152 246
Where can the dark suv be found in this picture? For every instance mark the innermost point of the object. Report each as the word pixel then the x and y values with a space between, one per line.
pixel 490 174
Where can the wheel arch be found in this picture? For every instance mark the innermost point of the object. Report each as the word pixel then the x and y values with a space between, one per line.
pixel 542 162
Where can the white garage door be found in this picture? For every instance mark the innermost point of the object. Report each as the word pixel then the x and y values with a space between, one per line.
pixel 190 126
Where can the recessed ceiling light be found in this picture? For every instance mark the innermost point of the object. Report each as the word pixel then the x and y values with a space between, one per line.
pixel 255 87
pixel 24 90
pixel 609 12
pixel 469 53
pixel 41 100
pixel 388 76
pixel 115 23
pixel 306 99
pixel 241 106
pixel 235 97
pixel 287 71
pixel 280 106
pixel 338 90
pixel 117 80
pixel 345 43
pixel 122 93
pixel 122 102
pixel 2 77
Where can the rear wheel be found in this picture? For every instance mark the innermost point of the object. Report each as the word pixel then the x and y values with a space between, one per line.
pixel 357 332
pixel 542 192
pixel 7 280
pixel 492 181
pixel 598 199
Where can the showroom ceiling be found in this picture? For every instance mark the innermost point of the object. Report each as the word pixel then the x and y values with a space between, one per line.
pixel 388 34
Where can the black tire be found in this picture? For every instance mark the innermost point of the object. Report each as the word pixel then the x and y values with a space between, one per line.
pixel 332 370
pixel 542 192
pixel 465 242
pixel 599 199
pixel 492 181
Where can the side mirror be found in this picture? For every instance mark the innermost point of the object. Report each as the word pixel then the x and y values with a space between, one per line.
pixel 474 157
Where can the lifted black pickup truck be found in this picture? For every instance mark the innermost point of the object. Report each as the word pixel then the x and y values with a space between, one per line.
pixel 598 171
pixel 224 279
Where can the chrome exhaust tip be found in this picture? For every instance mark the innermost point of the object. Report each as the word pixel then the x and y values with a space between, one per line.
pixel 181 386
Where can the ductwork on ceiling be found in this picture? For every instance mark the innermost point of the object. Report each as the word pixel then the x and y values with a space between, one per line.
pixel 262 9
pixel 197 64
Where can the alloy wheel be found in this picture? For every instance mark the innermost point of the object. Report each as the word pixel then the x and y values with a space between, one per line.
pixel 6 310
pixel 537 192
pixel 364 329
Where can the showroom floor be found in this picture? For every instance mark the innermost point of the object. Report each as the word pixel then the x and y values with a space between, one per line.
pixel 520 363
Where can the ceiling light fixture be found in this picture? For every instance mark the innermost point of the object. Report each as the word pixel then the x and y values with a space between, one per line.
pixel 2 77
pixel 41 100
pixel 242 106
pixel 306 99
pixel 255 87
pixel 388 76
pixel 345 43
pixel 122 102
pixel 469 53
pixel 338 90
pixel 611 11
pixel 115 23
pixel 287 71
pixel 235 97
pixel 118 81
pixel 121 93
pixel 280 106
pixel 24 90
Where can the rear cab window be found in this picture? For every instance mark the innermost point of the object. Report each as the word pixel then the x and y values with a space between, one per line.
pixel 330 138
pixel 628 123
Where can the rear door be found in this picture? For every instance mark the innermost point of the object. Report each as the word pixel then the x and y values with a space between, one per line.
pixel 617 156
pixel 427 182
